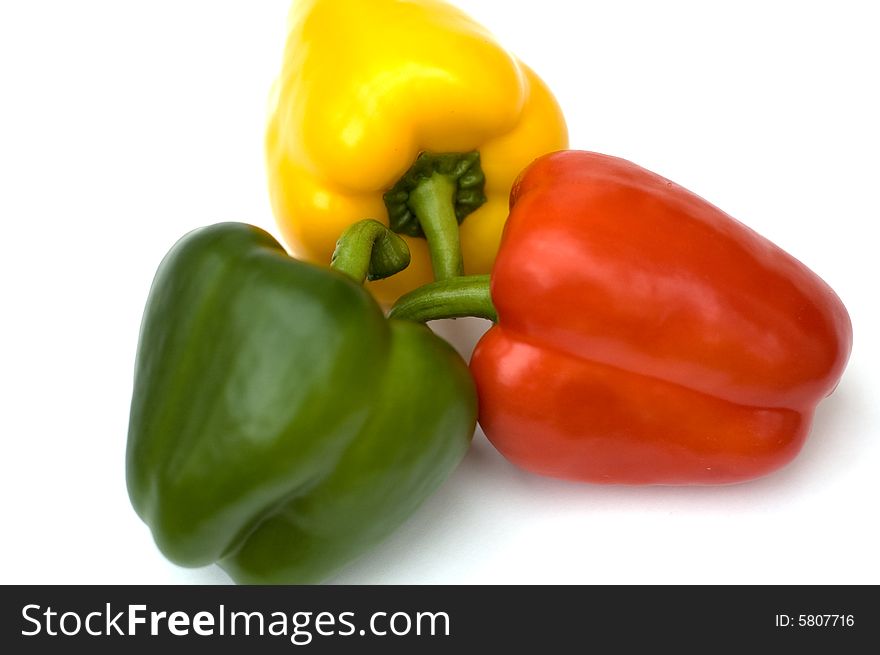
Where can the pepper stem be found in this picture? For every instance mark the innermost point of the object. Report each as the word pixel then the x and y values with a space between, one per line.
pixel 452 298
pixel 432 202
pixel 367 250
pixel 432 198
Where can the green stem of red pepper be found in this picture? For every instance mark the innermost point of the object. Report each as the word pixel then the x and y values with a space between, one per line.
pixel 451 298
pixel 368 250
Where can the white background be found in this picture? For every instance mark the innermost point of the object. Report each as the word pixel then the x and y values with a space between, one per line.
pixel 125 124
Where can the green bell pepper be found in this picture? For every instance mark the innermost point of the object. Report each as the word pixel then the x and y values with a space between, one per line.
pixel 280 424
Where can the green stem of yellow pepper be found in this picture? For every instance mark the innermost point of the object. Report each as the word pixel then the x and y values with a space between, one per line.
pixel 432 202
pixel 432 198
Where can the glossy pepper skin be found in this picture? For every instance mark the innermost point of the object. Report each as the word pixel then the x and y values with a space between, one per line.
pixel 645 336
pixel 280 424
pixel 367 86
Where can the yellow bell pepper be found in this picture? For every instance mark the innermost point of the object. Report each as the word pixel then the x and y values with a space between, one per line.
pixel 365 88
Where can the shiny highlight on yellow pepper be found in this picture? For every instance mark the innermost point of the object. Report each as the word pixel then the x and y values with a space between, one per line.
pixel 368 85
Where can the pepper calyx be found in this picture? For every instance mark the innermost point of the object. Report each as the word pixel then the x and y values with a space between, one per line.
pixel 461 168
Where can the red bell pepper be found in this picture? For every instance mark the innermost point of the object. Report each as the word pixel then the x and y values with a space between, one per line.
pixel 645 336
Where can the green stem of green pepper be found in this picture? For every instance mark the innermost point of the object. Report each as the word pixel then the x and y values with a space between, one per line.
pixel 452 298
pixel 368 250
